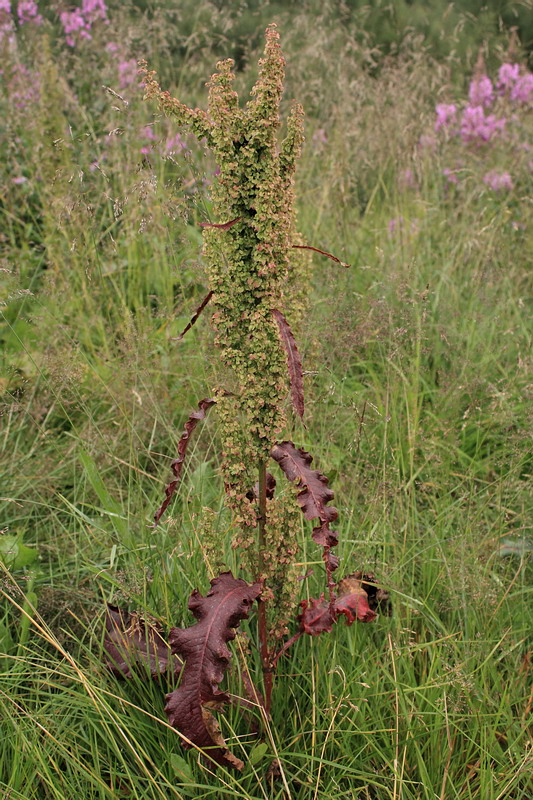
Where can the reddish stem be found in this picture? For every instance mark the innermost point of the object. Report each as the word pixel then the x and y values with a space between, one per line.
pixel 262 611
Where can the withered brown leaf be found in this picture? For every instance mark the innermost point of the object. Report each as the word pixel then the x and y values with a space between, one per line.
pixel 131 642
pixel 353 599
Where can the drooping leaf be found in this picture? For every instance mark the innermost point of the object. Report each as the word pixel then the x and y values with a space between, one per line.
pixel 378 598
pixel 324 536
pixel 195 316
pixel 131 642
pixel 322 253
pixel 315 493
pixel 177 465
pixel 316 616
pixel 353 599
pixel 356 597
pixel 294 362
pixel 204 649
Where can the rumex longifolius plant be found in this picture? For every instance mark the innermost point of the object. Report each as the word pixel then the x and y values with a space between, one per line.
pixel 257 277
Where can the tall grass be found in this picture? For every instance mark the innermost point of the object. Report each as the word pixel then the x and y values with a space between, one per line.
pixel 418 380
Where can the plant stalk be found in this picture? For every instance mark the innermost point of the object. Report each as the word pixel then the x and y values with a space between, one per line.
pixel 262 611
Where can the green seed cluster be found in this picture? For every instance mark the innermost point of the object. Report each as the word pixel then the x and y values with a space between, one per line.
pixel 250 262
pixel 252 269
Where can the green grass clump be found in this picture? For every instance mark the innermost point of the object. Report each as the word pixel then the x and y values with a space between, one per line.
pixel 418 389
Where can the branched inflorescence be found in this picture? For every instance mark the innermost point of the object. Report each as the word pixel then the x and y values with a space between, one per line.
pixel 253 269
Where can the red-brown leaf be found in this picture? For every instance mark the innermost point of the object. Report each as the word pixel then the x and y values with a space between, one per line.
pixel 131 642
pixel 315 493
pixel 177 465
pixel 294 362
pixel 324 536
pixel 353 599
pixel 316 616
pixel 253 494
pixel 195 316
pixel 203 648
pixel 322 253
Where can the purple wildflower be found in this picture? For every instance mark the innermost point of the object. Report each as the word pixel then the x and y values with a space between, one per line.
pixel 149 133
pixel 522 91
pixel 481 92
pixel 7 30
pixel 94 9
pixel 74 22
pixel 175 144
pixel 127 71
pixel 498 181
pixel 445 115
pixel 396 223
pixel 23 87
pixel 320 137
pixel 427 142
pixel 28 11
pixel 476 126
pixel 20 179
pixel 507 76
pixel 450 175
pixel 407 179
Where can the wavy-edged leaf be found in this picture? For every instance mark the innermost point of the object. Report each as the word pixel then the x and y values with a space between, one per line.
pixel 353 599
pixel 204 649
pixel 313 497
pixel 294 362
pixel 316 616
pixel 315 493
pixel 131 642
pixel 356 597
pixel 177 465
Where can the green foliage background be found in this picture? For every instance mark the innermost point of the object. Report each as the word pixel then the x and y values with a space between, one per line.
pixel 418 387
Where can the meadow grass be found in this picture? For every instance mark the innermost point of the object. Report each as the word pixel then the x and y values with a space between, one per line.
pixel 418 389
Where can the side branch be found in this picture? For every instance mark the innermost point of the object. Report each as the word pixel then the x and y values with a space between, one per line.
pixel 195 118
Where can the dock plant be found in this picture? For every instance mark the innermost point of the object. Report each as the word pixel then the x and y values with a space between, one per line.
pixel 257 270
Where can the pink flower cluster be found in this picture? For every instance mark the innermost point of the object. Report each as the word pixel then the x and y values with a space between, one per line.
pixel 446 115
pixel 475 125
pixel 127 73
pixel 23 86
pixel 481 92
pixel 78 23
pixel 28 11
pixel 498 181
